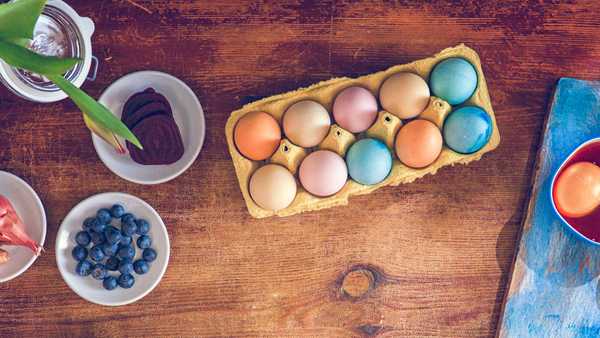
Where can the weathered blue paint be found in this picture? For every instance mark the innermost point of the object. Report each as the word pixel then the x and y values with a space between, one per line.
pixel 554 284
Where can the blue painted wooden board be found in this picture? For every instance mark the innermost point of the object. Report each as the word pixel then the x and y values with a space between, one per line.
pixel 553 289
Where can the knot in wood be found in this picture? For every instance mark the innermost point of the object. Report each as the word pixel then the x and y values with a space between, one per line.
pixel 358 283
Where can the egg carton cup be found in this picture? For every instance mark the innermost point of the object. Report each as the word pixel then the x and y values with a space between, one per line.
pixel 339 140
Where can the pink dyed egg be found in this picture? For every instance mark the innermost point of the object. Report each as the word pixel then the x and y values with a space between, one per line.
pixel 323 173
pixel 355 109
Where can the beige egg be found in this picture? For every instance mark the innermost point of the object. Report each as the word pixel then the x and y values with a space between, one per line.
pixel 272 187
pixel 404 95
pixel 306 123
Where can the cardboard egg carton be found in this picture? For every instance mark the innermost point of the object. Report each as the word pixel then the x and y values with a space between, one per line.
pixel 339 140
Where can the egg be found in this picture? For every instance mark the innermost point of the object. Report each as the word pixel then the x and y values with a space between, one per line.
pixel 453 80
pixel 257 135
pixel 467 129
pixel 369 161
pixel 576 191
pixel 306 123
pixel 404 95
pixel 272 187
pixel 323 173
pixel 418 143
pixel 355 109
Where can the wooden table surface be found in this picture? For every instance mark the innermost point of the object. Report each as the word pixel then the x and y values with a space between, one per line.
pixel 440 249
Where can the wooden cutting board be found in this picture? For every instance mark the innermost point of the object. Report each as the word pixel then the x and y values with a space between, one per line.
pixel 553 289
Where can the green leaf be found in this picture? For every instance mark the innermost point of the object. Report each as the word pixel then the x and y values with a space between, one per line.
pixel 19 41
pixel 94 110
pixel 21 57
pixel 17 19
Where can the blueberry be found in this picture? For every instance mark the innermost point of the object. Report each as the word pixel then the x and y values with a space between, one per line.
pixel 127 252
pixel 149 255
pixel 116 211
pixel 110 283
pixel 125 266
pixel 126 281
pixel 110 250
pixel 99 271
pixel 83 238
pixel 140 267
pixel 104 214
pixel 99 226
pixel 125 240
pixel 112 264
pixel 98 238
pixel 128 228
pixel 144 242
pixel 83 268
pixel 142 226
pixel 79 252
pixel 127 217
pixel 96 254
pixel 87 224
pixel 113 236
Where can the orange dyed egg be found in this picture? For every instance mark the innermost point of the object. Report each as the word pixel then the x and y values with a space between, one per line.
pixel 418 143
pixel 577 190
pixel 257 135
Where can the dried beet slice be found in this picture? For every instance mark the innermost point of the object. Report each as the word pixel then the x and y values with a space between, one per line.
pixel 138 100
pixel 152 108
pixel 143 99
pixel 127 105
pixel 161 139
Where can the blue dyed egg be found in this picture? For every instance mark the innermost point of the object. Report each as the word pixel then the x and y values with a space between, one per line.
pixel 467 129
pixel 369 161
pixel 453 80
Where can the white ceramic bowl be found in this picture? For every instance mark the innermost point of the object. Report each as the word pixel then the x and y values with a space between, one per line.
pixel 31 211
pixel 187 113
pixel 92 289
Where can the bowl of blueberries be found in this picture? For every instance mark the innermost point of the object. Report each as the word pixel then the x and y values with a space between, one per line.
pixel 112 249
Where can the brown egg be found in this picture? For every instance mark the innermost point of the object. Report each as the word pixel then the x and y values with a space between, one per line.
pixel 404 95
pixel 257 136
pixel 418 143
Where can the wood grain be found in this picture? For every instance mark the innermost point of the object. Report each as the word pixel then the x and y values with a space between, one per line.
pixel 440 248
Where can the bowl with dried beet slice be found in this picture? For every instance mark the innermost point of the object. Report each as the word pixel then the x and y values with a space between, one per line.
pixel 166 117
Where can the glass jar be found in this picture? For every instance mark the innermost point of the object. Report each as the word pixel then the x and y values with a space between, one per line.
pixel 61 32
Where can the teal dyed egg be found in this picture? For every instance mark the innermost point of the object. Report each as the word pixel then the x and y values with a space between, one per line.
pixel 369 161
pixel 467 129
pixel 453 80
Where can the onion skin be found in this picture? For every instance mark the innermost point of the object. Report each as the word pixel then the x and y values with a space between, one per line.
pixel 4 256
pixel 12 231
